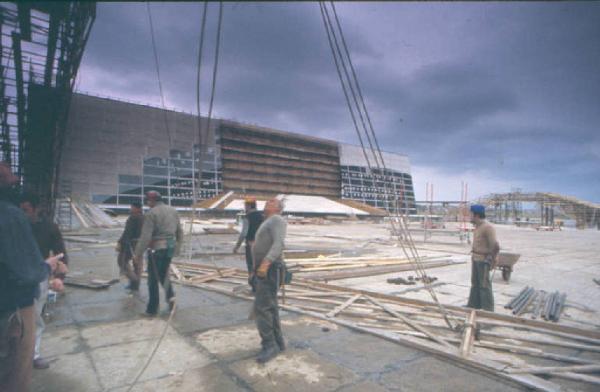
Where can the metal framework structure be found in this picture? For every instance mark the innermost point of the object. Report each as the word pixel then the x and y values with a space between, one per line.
pixel 41 47
pixel 586 214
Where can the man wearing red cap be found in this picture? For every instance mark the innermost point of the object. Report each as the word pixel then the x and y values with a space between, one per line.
pixel 162 236
pixel 484 253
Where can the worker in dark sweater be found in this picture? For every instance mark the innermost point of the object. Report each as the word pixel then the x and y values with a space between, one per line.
pixel 50 242
pixel 126 247
pixel 21 271
pixel 251 223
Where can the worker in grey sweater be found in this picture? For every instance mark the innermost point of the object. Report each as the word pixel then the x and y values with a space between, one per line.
pixel 161 236
pixel 270 269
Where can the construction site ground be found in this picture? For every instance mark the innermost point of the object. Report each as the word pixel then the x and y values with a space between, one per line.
pixel 97 340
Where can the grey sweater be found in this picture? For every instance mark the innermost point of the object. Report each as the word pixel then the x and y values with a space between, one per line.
pixel 270 240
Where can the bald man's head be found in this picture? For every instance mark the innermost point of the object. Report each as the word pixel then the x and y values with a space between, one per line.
pixel 273 207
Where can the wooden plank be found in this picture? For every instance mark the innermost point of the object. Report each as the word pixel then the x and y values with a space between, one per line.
pixel 578 377
pixel 468 335
pixel 556 369
pixel 410 323
pixel 343 306
pixel 176 272
pixel 545 342
pixel 208 278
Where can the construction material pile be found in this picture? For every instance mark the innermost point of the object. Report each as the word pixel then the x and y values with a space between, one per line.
pixel 333 268
pixel 90 215
pixel 547 305
pixel 538 355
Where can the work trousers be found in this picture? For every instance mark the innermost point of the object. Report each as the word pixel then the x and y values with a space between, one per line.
pixel 39 304
pixel 129 267
pixel 249 260
pixel 266 310
pixel 16 351
pixel 158 271
pixel 481 296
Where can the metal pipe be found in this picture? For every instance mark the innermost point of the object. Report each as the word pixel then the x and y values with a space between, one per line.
pixel 523 298
pixel 511 303
pixel 526 304
pixel 539 306
pixel 561 304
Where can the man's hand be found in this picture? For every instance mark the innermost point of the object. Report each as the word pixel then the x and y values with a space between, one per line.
pixel 53 261
pixel 118 247
pixel 235 249
pixel 263 268
pixel 61 268
pixel 57 285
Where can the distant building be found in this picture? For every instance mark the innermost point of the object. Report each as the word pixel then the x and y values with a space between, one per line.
pixel 116 151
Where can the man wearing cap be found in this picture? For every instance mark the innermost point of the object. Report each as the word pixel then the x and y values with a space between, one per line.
pixel 162 236
pixel 484 253
pixel 251 223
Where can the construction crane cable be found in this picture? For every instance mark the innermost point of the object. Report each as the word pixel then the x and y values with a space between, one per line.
pixel 350 82
pixel 329 38
pixel 157 66
pixel 358 89
pixel 402 231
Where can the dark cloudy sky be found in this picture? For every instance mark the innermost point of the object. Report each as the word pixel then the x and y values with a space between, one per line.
pixel 500 95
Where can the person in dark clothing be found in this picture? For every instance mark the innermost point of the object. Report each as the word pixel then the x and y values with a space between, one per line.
pixel 126 246
pixel 50 242
pixel 22 268
pixel 251 223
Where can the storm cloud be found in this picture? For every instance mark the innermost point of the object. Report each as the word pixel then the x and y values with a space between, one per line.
pixel 499 94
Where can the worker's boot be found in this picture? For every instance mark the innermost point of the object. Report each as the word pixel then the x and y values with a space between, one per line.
pixel 267 353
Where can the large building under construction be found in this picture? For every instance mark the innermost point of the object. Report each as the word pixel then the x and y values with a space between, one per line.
pixel 116 151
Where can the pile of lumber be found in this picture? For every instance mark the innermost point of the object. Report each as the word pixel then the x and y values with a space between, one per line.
pixel 334 268
pixel 536 354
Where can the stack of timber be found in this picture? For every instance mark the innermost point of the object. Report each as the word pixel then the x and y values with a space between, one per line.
pixel 536 354
pixel 334 268
pixel 90 215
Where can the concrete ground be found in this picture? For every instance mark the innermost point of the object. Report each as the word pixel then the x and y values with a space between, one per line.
pixel 97 341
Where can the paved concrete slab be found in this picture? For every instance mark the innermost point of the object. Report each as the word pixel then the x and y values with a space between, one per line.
pixel 201 318
pixel 68 372
pixel 240 341
pixel 362 353
pixel 118 365
pixel 431 374
pixel 61 341
pixel 294 370
pixel 205 379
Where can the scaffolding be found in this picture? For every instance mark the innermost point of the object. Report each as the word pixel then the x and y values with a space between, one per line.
pixel 503 205
pixel 41 47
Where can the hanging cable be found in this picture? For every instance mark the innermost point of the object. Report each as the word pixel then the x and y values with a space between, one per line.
pixel 157 65
pixel 402 232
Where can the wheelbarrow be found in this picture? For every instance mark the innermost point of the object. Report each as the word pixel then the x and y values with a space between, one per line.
pixel 505 263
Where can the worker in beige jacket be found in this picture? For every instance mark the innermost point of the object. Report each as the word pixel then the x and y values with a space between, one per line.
pixel 484 255
pixel 161 236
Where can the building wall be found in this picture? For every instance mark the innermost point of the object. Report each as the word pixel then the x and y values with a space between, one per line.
pixel 390 188
pixel 267 162
pixel 115 151
pixel 108 142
